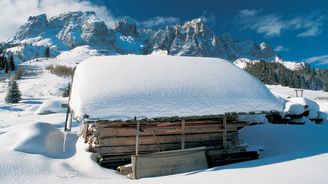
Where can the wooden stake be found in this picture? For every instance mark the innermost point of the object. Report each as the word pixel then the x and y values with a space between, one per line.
pixel 85 132
pixel 224 132
pixel 137 137
pixel 183 135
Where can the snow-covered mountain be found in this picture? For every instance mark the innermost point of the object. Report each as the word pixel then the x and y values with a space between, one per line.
pixel 243 62
pixel 67 31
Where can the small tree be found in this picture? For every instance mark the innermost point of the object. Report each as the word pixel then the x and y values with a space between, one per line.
pixel 11 63
pixel 47 52
pixel 3 62
pixel 13 95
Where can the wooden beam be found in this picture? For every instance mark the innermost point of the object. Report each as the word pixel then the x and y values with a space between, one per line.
pixel 85 132
pixel 160 139
pixel 183 135
pixel 146 131
pixel 137 137
pixel 224 132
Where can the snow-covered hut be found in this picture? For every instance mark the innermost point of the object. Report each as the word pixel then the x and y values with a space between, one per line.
pixel 177 102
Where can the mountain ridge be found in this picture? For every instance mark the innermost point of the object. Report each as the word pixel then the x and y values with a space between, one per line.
pixel 70 30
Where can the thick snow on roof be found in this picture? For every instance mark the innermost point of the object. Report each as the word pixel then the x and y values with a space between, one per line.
pixel 121 87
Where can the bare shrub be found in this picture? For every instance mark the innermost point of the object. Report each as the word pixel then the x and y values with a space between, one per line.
pixel 61 70
pixel 20 72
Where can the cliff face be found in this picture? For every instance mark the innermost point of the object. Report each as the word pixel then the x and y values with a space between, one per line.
pixel 67 31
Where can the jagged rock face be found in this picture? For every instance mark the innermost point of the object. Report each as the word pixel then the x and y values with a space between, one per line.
pixel 193 38
pixel 126 27
pixel 78 28
pixel 72 29
pixel 35 26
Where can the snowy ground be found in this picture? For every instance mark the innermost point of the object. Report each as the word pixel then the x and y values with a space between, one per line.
pixel 31 146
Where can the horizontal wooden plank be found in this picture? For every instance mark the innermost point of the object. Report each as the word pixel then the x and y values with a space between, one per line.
pixel 128 132
pixel 161 139
pixel 169 119
pixel 125 132
pixel 125 150
pixel 133 123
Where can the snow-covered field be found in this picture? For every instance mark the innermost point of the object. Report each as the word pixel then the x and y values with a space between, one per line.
pixel 34 149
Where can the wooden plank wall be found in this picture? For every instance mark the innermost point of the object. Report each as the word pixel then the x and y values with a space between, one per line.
pixel 115 141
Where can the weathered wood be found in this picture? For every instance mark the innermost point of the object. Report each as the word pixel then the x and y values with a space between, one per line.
pixel 116 150
pixel 183 134
pixel 224 143
pixel 115 132
pixel 116 141
pixel 160 139
pixel 85 132
pixel 109 124
pixel 167 119
pixel 137 137
pixel 123 149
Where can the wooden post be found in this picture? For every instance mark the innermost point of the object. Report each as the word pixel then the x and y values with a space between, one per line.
pixel 183 136
pixel 224 138
pixel 137 137
pixel 85 132
pixel 301 92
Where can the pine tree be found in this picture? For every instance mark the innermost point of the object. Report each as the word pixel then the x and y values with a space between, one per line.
pixel 11 63
pixel 47 52
pixel 326 85
pixel 13 95
pixel 3 62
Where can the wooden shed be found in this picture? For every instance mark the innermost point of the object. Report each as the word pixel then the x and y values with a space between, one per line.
pixel 144 104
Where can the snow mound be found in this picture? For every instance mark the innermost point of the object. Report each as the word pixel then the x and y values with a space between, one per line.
pixel 308 105
pixel 121 87
pixel 311 105
pixel 292 108
pixel 52 106
pixel 253 118
pixel 36 138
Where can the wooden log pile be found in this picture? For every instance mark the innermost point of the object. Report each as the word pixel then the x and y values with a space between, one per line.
pixel 115 141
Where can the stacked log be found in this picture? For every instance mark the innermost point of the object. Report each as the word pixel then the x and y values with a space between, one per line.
pixel 115 141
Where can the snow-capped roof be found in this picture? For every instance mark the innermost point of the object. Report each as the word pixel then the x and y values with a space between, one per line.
pixel 121 87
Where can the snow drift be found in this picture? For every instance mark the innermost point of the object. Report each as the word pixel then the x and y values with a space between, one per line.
pixel 121 87
pixel 52 106
pixel 36 138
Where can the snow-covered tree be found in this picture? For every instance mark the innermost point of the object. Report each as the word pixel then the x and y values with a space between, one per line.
pixel 13 95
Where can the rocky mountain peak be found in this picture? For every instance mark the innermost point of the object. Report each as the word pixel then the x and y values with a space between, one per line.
pixel 127 27
pixel 196 24
pixel 69 30
pixel 34 26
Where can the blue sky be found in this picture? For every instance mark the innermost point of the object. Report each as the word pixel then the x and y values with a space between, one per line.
pixel 297 29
